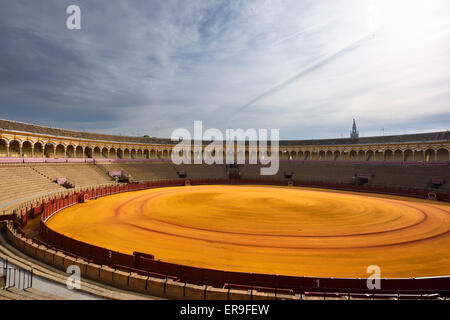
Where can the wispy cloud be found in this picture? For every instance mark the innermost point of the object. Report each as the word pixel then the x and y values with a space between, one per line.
pixel 317 65
pixel 148 67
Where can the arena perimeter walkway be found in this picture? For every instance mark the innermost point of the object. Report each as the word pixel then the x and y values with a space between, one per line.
pixel 277 230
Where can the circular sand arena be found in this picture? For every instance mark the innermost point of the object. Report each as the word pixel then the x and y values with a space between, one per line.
pixel 266 229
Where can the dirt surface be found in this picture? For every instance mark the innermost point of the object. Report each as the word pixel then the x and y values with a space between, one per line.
pixel 277 230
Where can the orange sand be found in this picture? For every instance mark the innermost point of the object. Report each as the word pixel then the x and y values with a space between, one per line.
pixel 262 229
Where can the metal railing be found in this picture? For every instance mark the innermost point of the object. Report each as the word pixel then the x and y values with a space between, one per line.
pixel 16 277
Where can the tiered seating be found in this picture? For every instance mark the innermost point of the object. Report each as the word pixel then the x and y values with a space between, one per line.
pixel 418 177
pixel 166 170
pixel 305 172
pixel 37 179
pixel 28 294
pixel 198 171
pixel 21 181
pixel 78 174
pixel 143 171
pixel 383 175
pixel 321 173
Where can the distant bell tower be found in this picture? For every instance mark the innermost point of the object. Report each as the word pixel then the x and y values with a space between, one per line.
pixel 354 134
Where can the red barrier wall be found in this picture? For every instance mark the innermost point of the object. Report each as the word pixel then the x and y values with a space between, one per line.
pixel 145 264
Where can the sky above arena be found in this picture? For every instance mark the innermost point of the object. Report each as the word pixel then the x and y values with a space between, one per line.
pixel 306 67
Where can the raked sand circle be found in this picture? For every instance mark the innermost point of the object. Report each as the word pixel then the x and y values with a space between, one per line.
pixel 266 229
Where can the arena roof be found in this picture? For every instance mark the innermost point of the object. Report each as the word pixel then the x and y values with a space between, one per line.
pixel 32 128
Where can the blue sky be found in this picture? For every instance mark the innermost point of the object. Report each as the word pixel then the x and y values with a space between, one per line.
pixel 304 67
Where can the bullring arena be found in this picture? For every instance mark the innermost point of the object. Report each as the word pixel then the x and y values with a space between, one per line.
pixel 242 228
pixel 140 227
